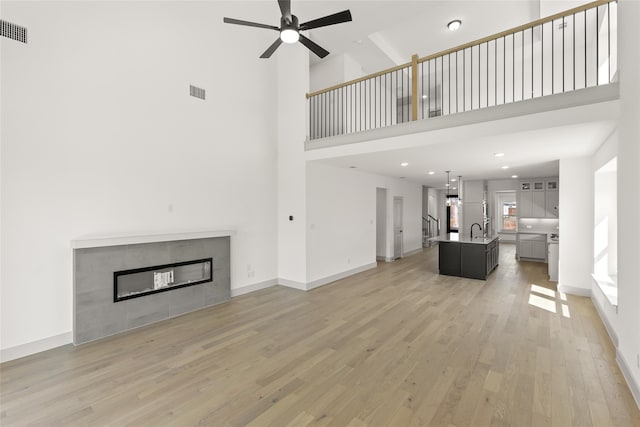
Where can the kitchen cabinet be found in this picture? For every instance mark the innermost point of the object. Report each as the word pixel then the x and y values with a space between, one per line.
pixel 531 246
pixel 538 198
pixel 551 204
pixel 532 204
pixel 552 257
pixel 470 258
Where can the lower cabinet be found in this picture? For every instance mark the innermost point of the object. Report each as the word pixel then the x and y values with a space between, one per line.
pixel 532 247
pixel 470 260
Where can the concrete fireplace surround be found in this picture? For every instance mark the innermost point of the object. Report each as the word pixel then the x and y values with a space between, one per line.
pixel 95 315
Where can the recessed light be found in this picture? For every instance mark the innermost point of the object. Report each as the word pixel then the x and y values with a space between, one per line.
pixel 424 96
pixel 498 154
pixel 431 172
pixel 453 179
pixel 454 25
pixel 455 188
pixel 514 176
pixel 505 167
pixel 446 185
pixel 404 164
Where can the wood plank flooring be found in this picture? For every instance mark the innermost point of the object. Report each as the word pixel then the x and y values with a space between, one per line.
pixel 395 346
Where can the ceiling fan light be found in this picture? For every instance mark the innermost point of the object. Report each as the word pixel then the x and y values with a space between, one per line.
pixel 454 25
pixel 289 36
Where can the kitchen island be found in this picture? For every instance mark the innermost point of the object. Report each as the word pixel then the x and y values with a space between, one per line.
pixel 473 258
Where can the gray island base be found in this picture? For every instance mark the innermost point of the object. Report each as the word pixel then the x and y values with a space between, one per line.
pixel 465 257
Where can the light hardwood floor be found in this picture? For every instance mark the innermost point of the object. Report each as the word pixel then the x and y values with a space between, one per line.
pixel 395 346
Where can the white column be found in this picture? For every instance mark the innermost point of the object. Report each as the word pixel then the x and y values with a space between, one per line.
pixel 629 193
pixel 293 83
pixel 576 226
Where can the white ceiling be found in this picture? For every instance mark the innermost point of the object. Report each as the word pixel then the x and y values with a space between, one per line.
pixel 528 154
pixel 386 33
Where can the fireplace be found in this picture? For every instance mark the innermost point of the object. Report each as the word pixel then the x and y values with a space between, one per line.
pixel 110 274
pixel 139 282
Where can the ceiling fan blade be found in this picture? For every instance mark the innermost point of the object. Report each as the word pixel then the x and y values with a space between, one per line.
pixel 336 18
pixel 267 53
pixel 250 24
pixel 285 7
pixel 313 47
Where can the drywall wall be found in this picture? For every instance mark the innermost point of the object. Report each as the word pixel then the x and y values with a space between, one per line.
pixel 101 137
pixel 576 219
pixel 341 218
pixel 629 204
pixel 293 81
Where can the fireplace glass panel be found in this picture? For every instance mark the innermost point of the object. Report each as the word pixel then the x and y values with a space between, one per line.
pixel 149 280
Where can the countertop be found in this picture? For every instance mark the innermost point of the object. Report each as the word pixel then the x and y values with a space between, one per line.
pixel 550 237
pixel 466 239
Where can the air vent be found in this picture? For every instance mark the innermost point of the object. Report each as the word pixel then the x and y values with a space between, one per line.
pixel 13 31
pixel 196 92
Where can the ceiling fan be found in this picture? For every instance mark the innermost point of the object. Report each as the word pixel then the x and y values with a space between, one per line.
pixel 290 29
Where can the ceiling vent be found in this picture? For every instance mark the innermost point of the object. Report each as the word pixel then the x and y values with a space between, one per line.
pixel 13 31
pixel 196 92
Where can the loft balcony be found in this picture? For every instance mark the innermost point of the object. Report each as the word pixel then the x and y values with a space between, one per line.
pixel 556 62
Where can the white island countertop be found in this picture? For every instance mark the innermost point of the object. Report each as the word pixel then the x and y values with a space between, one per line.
pixel 102 241
pixel 467 239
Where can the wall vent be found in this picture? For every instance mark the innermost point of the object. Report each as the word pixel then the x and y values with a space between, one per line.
pixel 13 31
pixel 196 92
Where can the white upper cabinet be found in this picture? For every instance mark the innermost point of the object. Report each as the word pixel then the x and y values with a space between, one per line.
pixel 538 198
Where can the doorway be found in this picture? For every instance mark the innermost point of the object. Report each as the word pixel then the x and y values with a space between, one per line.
pixel 397 228
pixel 381 224
pixel 453 214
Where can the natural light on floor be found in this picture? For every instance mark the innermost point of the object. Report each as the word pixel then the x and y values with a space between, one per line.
pixel 546 299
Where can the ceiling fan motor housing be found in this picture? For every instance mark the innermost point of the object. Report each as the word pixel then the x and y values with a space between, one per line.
pixel 289 23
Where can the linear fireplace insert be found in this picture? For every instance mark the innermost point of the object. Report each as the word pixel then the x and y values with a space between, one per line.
pixel 139 282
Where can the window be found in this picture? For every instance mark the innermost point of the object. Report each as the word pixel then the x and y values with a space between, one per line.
pixel 509 216
pixel 507 211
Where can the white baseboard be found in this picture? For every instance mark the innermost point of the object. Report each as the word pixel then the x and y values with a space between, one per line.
pixel 628 376
pixel 34 347
pixel 572 290
pixel 413 252
pixel 292 284
pixel 252 288
pixel 605 321
pixel 334 277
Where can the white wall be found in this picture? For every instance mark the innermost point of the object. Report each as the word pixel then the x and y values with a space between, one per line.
pixel 293 81
pixel 606 153
pixel 100 136
pixel 341 217
pixel 629 202
pixel 576 220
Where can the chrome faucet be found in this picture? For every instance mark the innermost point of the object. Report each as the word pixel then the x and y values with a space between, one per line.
pixel 479 226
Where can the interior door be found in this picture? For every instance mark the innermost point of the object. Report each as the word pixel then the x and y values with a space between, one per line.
pixel 397 227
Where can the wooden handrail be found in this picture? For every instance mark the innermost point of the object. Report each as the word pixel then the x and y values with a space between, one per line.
pixel 517 29
pixel 360 79
pixel 513 30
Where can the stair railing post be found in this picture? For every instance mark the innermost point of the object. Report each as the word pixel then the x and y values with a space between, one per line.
pixel 414 87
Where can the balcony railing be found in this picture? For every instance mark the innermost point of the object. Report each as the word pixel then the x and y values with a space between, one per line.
pixel 564 52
